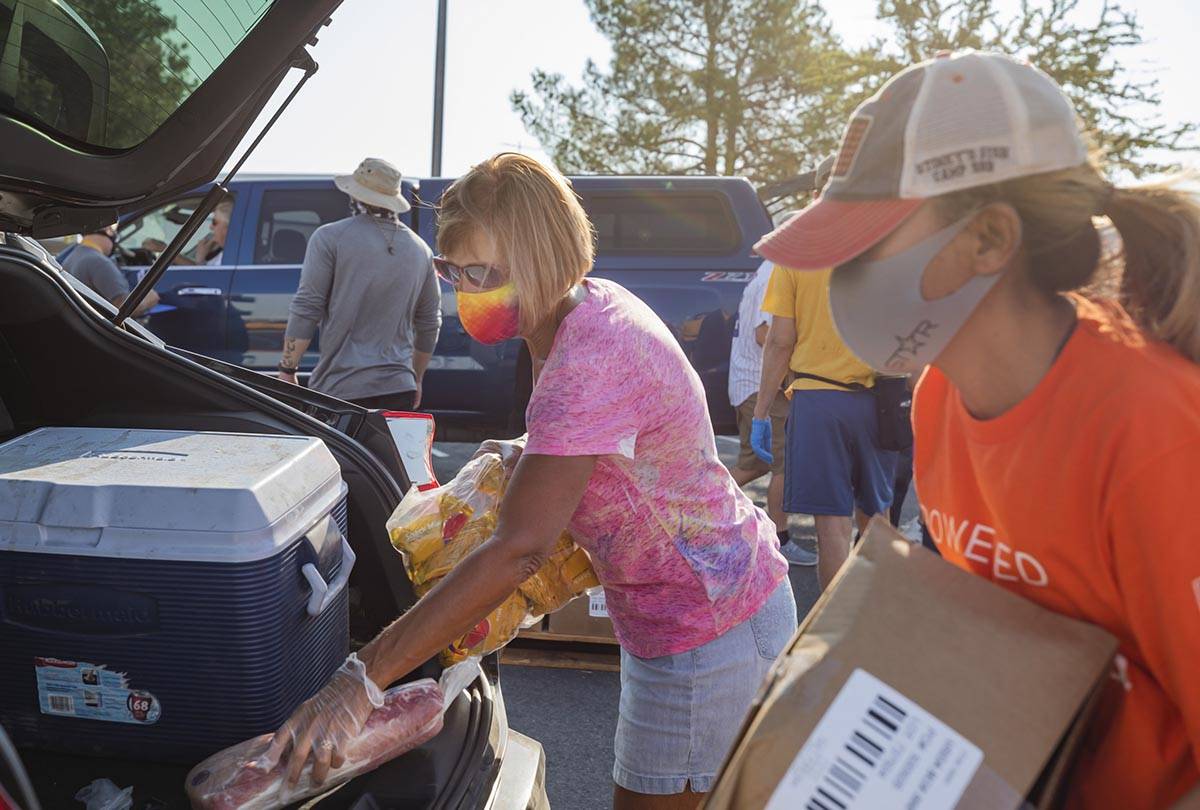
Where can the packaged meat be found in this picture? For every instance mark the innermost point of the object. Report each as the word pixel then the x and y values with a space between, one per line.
pixel 230 780
pixel 436 529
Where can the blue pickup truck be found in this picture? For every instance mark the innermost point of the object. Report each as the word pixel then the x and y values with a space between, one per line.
pixel 683 244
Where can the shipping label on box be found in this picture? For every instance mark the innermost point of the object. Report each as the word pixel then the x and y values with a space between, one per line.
pixel 876 748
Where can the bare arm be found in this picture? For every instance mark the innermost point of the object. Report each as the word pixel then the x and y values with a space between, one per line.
pixel 781 340
pixel 760 334
pixel 293 352
pixel 148 303
pixel 420 363
pixel 543 494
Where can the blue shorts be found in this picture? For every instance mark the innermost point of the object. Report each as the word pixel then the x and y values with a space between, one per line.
pixel 680 714
pixel 833 461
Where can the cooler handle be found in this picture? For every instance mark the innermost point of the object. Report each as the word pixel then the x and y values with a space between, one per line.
pixel 323 594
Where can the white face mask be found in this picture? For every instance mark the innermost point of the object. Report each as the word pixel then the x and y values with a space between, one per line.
pixel 881 315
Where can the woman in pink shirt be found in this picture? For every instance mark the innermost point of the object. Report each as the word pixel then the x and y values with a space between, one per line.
pixel 620 451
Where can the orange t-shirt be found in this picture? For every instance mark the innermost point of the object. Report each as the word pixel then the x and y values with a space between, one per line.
pixel 1080 498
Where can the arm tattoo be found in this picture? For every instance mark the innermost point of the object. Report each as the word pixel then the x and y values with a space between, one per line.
pixel 289 352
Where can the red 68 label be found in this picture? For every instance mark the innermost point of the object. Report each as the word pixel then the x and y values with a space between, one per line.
pixel 142 707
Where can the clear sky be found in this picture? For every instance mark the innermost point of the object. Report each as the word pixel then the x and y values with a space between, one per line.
pixel 373 94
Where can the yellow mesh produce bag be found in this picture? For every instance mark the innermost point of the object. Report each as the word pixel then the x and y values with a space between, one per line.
pixel 436 529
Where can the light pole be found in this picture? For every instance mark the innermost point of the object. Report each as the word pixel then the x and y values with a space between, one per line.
pixel 439 89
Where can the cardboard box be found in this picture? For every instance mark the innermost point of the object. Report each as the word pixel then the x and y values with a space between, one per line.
pixel 583 618
pixel 913 684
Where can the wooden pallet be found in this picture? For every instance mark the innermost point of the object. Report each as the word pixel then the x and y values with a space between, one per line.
pixel 540 649
pixel 544 635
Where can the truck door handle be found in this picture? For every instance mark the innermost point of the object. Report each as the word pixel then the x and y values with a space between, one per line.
pixel 193 292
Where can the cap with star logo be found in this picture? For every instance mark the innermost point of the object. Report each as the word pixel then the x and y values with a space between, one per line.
pixel 953 122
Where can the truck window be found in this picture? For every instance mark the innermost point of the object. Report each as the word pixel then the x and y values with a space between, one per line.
pixel 148 235
pixel 288 218
pixel 663 222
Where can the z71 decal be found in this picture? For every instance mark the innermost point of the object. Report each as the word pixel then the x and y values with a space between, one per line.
pixel 743 277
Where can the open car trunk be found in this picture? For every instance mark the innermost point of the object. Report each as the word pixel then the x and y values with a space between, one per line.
pixel 109 106
pixel 63 364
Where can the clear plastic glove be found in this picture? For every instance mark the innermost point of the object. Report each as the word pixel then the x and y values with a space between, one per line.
pixel 760 439
pixel 103 794
pixel 509 451
pixel 324 724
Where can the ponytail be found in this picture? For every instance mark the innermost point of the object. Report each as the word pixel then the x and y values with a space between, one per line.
pixel 1159 226
pixel 1156 272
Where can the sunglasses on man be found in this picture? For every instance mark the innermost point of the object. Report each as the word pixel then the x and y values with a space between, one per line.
pixel 477 276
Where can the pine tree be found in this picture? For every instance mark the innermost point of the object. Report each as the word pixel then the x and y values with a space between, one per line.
pixel 762 88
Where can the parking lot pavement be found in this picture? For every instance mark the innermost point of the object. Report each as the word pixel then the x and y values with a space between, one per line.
pixel 573 713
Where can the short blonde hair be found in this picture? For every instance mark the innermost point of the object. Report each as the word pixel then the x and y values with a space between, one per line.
pixel 541 232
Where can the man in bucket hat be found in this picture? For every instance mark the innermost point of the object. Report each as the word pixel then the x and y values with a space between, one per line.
pixel 368 283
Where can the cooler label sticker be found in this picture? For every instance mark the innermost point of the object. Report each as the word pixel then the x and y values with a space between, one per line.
pixel 91 692
pixel 597 604
pixel 876 748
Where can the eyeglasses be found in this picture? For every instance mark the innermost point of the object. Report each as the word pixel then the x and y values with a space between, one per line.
pixel 478 276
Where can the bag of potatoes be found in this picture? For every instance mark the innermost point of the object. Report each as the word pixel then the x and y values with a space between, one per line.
pixel 436 529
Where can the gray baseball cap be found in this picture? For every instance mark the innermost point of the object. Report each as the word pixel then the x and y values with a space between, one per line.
pixel 953 122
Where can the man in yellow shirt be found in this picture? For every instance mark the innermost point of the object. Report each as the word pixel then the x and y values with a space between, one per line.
pixel 832 462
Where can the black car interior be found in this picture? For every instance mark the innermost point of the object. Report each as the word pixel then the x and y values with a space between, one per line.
pixel 62 365
pixel 287 247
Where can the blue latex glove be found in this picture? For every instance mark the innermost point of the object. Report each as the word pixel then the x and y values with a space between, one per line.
pixel 760 439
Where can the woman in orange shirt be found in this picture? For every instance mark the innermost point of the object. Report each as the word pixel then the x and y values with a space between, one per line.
pixel 1057 433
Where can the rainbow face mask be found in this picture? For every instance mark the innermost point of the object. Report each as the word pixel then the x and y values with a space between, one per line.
pixel 490 317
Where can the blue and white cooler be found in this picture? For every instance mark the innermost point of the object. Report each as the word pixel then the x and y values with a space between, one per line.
pixel 165 594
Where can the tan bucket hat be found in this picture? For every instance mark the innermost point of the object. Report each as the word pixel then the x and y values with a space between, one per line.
pixel 375 182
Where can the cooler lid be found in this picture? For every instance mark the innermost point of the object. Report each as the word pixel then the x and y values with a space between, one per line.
pixel 162 494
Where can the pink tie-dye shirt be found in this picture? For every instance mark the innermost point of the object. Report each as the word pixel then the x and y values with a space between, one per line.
pixel 682 553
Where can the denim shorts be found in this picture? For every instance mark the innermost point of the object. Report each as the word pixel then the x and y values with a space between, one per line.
pixel 833 461
pixel 680 713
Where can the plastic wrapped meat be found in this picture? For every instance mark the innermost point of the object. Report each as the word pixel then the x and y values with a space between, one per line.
pixel 229 780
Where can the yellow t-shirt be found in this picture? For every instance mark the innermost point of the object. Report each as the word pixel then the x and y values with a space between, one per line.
pixel 804 296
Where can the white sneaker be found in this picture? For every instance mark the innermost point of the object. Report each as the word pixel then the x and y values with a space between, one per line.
pixel 798 555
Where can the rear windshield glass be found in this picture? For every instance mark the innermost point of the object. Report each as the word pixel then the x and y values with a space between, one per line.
pixel 109 72
pixel 658 223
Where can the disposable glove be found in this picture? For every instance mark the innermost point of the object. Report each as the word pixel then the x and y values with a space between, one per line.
pixel 325 723
pixel 760 439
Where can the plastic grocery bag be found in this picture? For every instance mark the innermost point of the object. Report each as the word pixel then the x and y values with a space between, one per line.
pixel 103 794
pixel 436 529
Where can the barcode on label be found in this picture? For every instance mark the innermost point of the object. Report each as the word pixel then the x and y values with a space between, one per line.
pixel 875 747
pixel 61 704
pixel 861 752
pixel 597 605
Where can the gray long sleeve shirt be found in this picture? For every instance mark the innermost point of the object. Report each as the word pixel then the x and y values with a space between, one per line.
pixel 374 309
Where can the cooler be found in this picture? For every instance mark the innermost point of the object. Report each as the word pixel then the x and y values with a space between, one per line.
pixel 165 594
